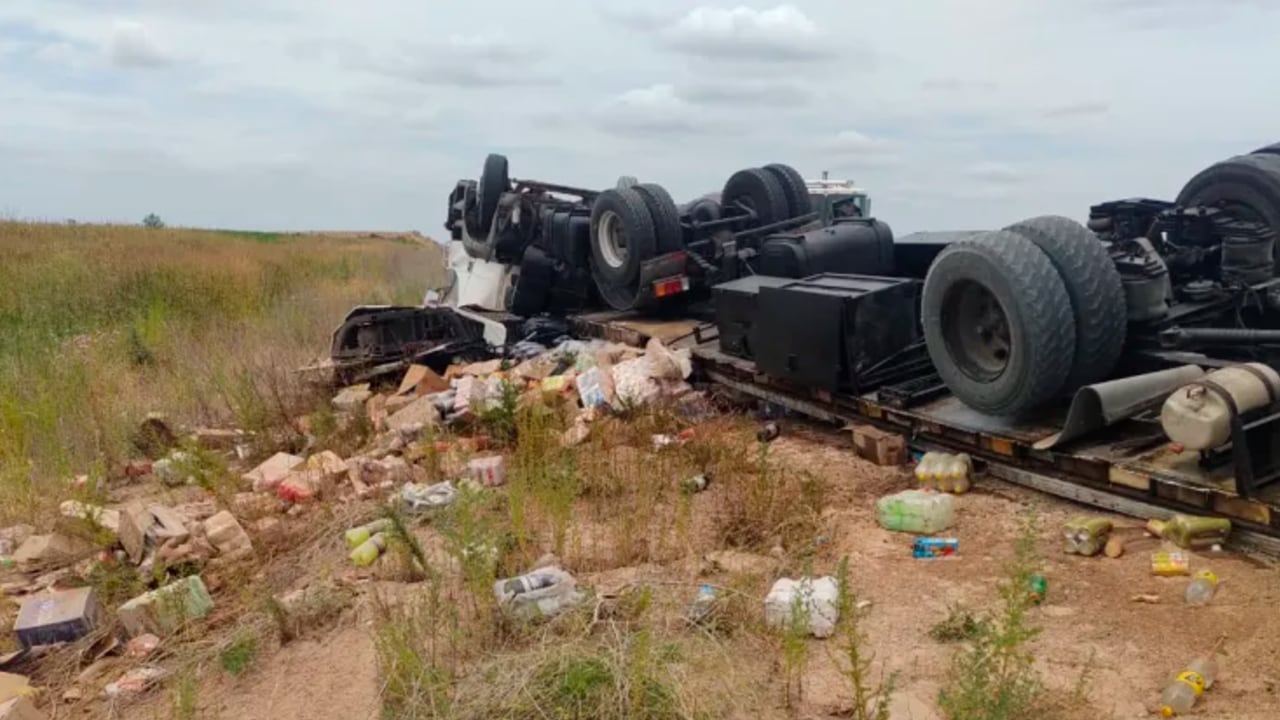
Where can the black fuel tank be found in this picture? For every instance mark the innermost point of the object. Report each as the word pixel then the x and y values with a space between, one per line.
pixel 851 245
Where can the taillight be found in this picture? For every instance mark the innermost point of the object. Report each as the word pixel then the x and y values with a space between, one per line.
pixel 670 286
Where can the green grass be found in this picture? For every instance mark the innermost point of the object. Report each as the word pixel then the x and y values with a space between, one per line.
pixel 240 654
pixel 101 324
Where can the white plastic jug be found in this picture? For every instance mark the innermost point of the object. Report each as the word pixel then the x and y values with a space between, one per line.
pixel 819 597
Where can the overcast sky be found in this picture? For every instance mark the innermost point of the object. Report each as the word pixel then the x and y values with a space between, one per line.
pixel 336 114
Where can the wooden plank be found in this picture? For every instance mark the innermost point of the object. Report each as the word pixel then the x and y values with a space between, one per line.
pixel 801 406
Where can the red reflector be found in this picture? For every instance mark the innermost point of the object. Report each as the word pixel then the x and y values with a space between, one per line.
pixel 670 286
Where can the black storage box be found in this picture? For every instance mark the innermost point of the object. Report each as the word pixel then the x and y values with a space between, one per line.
pixel 851 245
pixel 825 331
pixel 735 303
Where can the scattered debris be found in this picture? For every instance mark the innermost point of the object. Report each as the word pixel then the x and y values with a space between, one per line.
pixel 57 616
pixel 916 511
pixel 945 472
pixel 228 536
pixel 695 484
pixel 351 399
pixel 489 471
pixel 879 446
pixel 419 414
pixel 273 471
pixel 135 682
pixel 1148 598
pixel 427 498
pixel 41 551
pixel 140 647
pixel 170 469
pixel 13 536
pixel 1086 536
pixel 1169 563
pixel 930 548
pixel 1191 532
pixel 99 516
pixel 768 432
pixel 164 610
pixel 14 686
pixel 20 708
pixel 370 550
pixel 819 599
pixel 544 592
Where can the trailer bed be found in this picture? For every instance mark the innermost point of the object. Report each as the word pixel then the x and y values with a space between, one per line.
pixel 1124 467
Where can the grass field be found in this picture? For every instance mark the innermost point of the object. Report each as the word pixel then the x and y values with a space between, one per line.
pixel 100 325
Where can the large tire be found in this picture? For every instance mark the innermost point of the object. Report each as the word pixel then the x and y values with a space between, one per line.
pixel 493 182
pixel 793 186
pixel 1273 149
pixel 1019 361
pixel 1096 292
pixel 1250 182
pixel 626 181
pixel 704 210
pixel 665 215
pixel 622 237
pixel 759 191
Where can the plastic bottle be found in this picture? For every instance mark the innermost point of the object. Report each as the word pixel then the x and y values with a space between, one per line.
pixel 1191 532
pixel 695 484
pixel 528 583
pixel 1085 535
pixel 702 605
pixel 924 469
pixel 1202 588
pixel 958 472
pixel 369 550
pixel 916 511
pixel 1181 695
pixel 357 536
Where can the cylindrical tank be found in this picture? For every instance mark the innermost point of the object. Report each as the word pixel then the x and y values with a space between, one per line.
pixel 861 246
pixel 1198 418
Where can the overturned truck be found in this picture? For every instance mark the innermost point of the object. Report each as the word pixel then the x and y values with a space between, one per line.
pixel 1055 344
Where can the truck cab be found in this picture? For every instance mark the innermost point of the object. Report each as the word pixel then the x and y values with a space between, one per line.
pixel 834 199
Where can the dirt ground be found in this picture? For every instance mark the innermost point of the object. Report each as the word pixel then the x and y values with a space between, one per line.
pixel 1128 650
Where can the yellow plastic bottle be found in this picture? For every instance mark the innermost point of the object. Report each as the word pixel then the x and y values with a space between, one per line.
pixel 959 472
pixel 924 469
pixel 369 550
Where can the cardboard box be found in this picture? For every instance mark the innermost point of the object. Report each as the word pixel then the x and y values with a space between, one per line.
pixel 56 616
pixel 20 709
pixel 269 474
pixel 164 610
pixel 56 549
pixel 879 446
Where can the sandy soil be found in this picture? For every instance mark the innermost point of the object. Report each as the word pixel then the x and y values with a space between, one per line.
pixel 1130 649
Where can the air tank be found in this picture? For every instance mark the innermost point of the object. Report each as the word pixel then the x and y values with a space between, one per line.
pixel 862 246
pixel 1197 416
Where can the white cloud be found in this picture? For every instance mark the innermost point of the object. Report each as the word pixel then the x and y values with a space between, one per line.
pixel 411 97
pixel 993 172
pixel 742 33
pixel 132 46
pixel 656 109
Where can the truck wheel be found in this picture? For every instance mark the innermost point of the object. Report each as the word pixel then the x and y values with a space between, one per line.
pixel 1093 284
pixel 1273 149
pixel 704 210
pixel 493 182
pixel 793 187
pixel 665 215
pixel 759 191
pixel 626 181
pixel 622 236
pixel 1250 184
pixel 997 323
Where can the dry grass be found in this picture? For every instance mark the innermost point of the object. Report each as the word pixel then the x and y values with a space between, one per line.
pixel 101 324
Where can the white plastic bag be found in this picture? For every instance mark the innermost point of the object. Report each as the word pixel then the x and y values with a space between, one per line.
pixel 819 597
pixel 544 592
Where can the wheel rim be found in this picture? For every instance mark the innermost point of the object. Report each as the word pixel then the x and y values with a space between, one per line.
pixel 976 330
pixel 613 239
